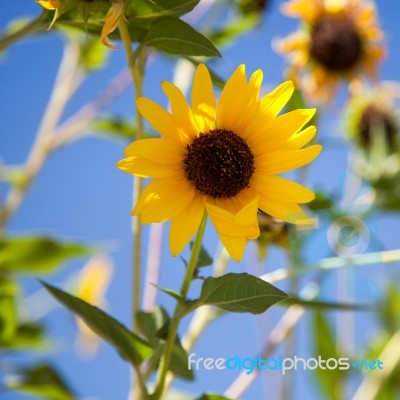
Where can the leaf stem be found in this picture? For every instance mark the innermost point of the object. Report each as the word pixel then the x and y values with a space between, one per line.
pixel 178 313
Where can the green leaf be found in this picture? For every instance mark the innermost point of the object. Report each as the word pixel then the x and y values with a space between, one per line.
pixel 129 345
pixel 177 37
pixel 8 310
pixel 327 305
pixel 212 396
pixel 325 346
pixel 177 296
pixel 240 293
pixel 154 326
pixel 151 9
pixel 204 259
pixel 41 380
pixel 117 128
pixel 27 335
pixel 35 254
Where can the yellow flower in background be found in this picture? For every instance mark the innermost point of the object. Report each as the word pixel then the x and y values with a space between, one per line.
pixel 223 158
pixel 114 13
pixel 92 285
pixel 339 40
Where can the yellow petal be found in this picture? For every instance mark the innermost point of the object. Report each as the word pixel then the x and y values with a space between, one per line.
pixel 113 16
pixel 273 102
pixel 181 111
pixel 299 140
pixel 250 105
pixel 276 133
pixel 184 226
pixel 285 211
pixel 242 224
pixel 145 168
pixel 280 161
pixel 161 120
pixel 269 107
pixel 49 4
pixel 164 199
pixel 160 150
pixel 203 99
pixel 232 101
pixel 281 189
pixel 304 9
pixel 235 246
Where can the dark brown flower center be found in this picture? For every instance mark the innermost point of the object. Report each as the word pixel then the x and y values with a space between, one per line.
pixel 219 163
pixel 375 120
pixel 336 43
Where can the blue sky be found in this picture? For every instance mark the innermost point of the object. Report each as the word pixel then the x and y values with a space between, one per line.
pixel 81 195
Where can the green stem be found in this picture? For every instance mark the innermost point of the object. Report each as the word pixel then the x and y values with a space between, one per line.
pixel 135 63
pixel 31 27
pixel 179 311
pixel 136 67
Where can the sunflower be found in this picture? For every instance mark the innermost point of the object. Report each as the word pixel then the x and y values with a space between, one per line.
pixel 339 40
pixel 372 113
pixel 222 159
pixel 88 7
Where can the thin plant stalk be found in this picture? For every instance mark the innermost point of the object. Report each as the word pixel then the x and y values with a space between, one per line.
pixel 136 68
pixel 178 312
pixel 67 81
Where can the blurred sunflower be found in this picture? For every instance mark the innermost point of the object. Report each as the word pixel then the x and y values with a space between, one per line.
pixel 221 158
pixel 114 8
pixel 339 40
pixel 92 284
pixel 372 123
pixel 371 113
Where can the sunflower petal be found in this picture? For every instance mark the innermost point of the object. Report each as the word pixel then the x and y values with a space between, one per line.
pixel 49 4
pixel 276 133
pixel 203 99
pixel 160 150
pixel 161 120
pixel 235 246
pixel 299 140
pixel 242 224
pixel 145 168
pixel 184 226
pixel 285 211
pixel 180 109
pixel 280 161
pixel 230 104
pixel 113 16
pixel 164 199
pixel 281 189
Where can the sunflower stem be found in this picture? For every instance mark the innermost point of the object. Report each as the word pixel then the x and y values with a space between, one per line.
pixel 32 26
pixel 178 313
pixel 136 62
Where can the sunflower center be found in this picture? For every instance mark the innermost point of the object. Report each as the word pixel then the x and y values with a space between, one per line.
pixel 219 163
pixel 336 43
pixel 372 120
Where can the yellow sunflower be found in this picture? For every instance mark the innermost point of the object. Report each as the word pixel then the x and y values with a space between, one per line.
pixel 88 7
pixel 222 159
pixel 340 39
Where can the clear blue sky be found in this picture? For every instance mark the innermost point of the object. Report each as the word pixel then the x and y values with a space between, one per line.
pixel 81 195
